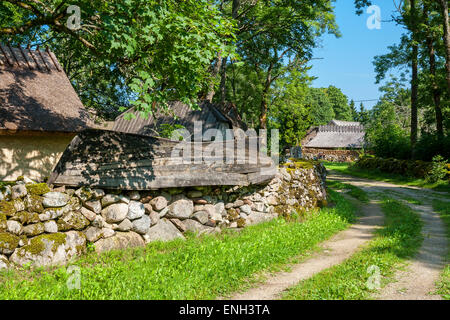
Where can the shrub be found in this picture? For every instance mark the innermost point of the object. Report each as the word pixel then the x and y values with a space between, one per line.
pixel 409 168
pixel 438 169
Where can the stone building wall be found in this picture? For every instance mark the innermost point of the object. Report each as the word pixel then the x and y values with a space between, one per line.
pixel 331 155
pixel 43 226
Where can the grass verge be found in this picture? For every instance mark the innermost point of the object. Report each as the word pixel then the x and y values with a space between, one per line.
pixel 398 240
pixel 351 190
pixel 198 268
pixel 443 285
pixel 347 168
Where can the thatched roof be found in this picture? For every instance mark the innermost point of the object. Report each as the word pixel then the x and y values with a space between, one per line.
pixel 36 95
pixel 211 116
pixel 335 135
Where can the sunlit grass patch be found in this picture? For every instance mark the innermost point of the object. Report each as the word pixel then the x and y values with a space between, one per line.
pixel 443 208
pixel 356 278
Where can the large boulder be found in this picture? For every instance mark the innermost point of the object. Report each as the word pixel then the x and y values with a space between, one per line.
pixel 8 243
pixel 114 198
pixel 135 210
pixel 181 209
pixel 4 263
pixel 142 225
pixel 159 203
pixel 196 227
pixel 14 227
pixel 121 240
pixel 163 231
pixel 258 217
pixel 55 199
pixel 50 249
pixel 72 221
pixel 115 213
pixel 93 234
pixel 53 213
pixel 25 217
pixel 18 191
pixel 34 203
pixel 125 225
pixel 33 230
pixel 94 205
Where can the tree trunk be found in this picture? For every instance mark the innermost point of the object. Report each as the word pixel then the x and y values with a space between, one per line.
pixel 264 106
pixel 444 5
pixel 214 73
pixel 436 91
pixel 223 81
pixel 414 82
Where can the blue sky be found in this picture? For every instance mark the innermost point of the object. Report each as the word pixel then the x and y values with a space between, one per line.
pixel 347 62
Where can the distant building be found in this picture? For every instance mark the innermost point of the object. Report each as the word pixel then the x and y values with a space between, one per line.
pixel 336 141
pixel 40 113
pixel 210 115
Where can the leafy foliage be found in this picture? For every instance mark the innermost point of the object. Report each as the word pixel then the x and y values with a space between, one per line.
pixel 145 52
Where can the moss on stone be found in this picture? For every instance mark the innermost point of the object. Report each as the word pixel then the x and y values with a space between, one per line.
pixel 26 217
pixel 233 215
pixel 7 208
pixel 34 203
pixel 36 245
pixel 241 223
pixel 72 221
pixel 8 242
pixel 34 229
pixel 38 188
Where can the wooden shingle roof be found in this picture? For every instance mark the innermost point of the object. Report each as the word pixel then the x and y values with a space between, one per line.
pixel 336 136
pixel 179 113
pixel 36 95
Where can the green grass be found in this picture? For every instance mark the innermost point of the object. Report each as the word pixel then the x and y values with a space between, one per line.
pixel 198 268
pixel 351 190
pixel 393 245
pixel 347 168
pixel 443 208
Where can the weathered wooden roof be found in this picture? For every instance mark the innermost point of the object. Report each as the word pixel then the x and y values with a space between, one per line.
pixel 344 123
pixel 36 95
pixel 114 160
pixel 179 113
pixel 336 136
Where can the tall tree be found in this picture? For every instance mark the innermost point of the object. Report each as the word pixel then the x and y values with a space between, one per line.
pixel 354 111
pixel 277 36
pixel 446 27
pixel 320 106
pixel 339 100
pixel 412 26
pixel 435 88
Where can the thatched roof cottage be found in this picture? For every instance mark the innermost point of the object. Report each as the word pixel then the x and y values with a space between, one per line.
pixel 336 141
pixel 40 113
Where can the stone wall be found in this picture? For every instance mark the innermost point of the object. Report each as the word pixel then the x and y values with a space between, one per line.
pixel 43 226
pixel 331 155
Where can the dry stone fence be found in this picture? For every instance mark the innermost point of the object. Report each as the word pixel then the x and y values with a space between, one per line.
pixel 40 225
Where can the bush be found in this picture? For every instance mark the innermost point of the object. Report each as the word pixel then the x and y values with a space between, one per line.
pixel 409 168
pixel 438 169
